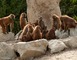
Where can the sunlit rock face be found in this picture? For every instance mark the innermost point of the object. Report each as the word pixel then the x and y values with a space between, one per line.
pixel 56 46
pixel 73 31
pixel 61 34
pixel 6 53
pixel 31 49
pixel 44 9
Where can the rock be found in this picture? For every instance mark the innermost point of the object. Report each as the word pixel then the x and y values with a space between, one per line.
pixel 31 49
pixel 71 42
pixel 56 46
pixel 65 55
pixel 73 31
pixel 0 29
pixel 61 34
pixel 6 37
pixel 17 35
pixel 44 9
pixel 6 53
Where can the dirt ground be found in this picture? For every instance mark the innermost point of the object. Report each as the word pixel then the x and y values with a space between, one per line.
pixel 70 54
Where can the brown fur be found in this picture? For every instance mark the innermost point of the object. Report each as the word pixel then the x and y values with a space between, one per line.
pixel 67 22
pixel 37 33
pixel 41 23
pixel 26 34
pixel 44 32
pixel 51 34
pixel 43 27
pixel 23 20
pixel 5 21
pixel 56 21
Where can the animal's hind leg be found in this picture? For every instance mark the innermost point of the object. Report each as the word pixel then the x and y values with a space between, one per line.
pixel 3 30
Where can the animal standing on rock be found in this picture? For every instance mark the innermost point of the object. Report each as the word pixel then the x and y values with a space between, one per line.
pixel 26 34
pixel 37 34
pixel 5 21
pixel 67 23
pixel 23 20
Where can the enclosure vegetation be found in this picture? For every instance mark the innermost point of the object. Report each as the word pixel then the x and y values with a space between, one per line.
pixel 16 7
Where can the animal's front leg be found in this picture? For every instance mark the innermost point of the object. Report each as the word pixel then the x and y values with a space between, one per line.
pixel 11 27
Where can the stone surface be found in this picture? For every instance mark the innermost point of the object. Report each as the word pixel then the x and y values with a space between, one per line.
pixel 31 49
pixel 6 37
pixel 6 53
pixel 18 34
pixel 56 46
pixel 44 9
pixel 71 42
pixel 65 55
pixel 61 34
pixel 73 31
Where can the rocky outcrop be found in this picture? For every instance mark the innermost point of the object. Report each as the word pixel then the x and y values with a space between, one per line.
pixel 44 9
pixel 73 31
pixel 18 34
pixel 31 49
pixel 61 34
pixel 6 37
pixel 71 42
pixel 56 46
pixel 6 53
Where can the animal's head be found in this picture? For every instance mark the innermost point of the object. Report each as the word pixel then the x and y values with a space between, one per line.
pixel 23 15
pixel 12 16
pixel 55 16
pixel 40 18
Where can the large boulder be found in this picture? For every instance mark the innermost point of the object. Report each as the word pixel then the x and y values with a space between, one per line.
pixel 44 9
pixel 6 37
pixel 56 46
pixel 6 53
pixel 31 49
pixel 71 42
pixel 18 34
pixel 73 31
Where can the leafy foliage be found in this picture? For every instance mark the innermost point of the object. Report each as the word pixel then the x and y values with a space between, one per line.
pixel 69 7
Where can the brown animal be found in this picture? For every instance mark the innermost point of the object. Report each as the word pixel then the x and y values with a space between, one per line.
pixel 5 21
pixel 26 34
pixel 41 23
pixel 51 34
pixel 67 23
pixel 23 20
pixel 56 22
pixel 37 33
pixel 44 32
pixel 43 27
